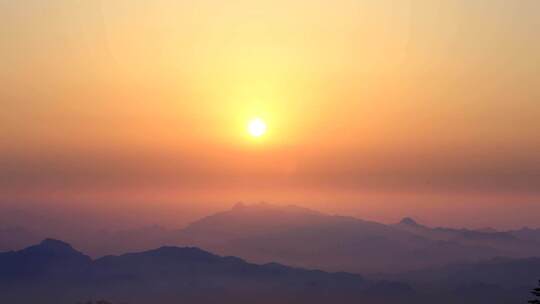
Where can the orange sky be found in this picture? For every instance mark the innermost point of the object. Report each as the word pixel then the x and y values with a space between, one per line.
pixel 374 108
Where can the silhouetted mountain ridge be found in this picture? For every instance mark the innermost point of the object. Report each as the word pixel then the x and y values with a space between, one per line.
pixel 169 274
pixel 408 221
pixel 301 237
pixel 297 236
pixel 54 272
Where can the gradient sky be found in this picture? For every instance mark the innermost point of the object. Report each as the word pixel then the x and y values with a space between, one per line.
pixel 375 108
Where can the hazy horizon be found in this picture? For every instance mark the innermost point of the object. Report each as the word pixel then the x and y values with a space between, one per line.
pixel 375 109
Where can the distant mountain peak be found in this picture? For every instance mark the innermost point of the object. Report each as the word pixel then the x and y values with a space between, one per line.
pixel 239 206
pixel 53 246
pixel 48 253
pixel 54 243
pixel 408 221
pixel 265 206
pixel 173 250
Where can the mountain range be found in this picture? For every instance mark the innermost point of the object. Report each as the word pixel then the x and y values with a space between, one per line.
pixel 301 237
pixel 291 235
pixel 54 272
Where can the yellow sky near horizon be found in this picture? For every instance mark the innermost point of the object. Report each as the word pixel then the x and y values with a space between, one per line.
pixel 418 96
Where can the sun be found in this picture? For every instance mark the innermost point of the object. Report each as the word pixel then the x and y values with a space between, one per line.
pixel 256 127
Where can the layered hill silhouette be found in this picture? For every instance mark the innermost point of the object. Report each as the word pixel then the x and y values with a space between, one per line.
pixel 263 233
pixel 301 237
pixel 54 272
pixel 499 280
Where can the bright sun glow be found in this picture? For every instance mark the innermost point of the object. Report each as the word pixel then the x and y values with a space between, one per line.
pixel 256 127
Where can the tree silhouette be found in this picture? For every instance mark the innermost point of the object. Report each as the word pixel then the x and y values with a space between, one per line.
pixel 536 293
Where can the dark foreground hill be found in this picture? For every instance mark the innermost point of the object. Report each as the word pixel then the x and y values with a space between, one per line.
pixel 54 272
